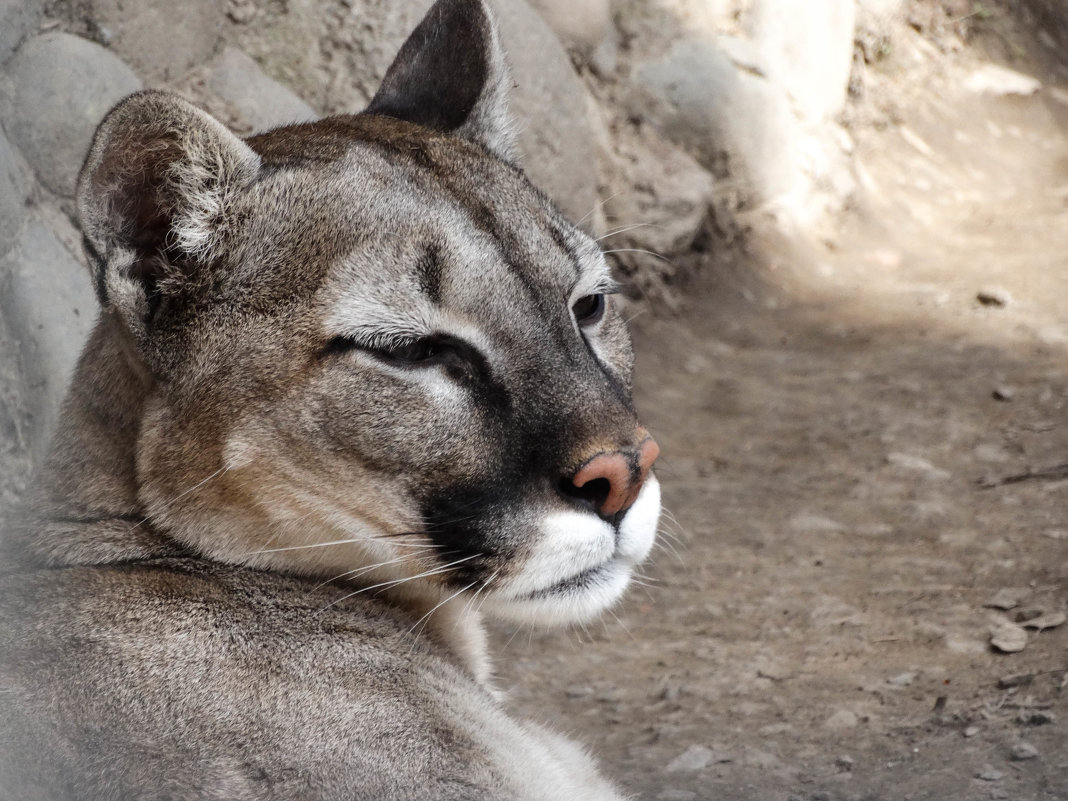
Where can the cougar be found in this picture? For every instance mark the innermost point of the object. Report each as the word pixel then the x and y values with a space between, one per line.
pixel 354 384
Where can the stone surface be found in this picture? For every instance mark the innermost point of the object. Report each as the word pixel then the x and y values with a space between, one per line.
pixel 663 202
pixel 808 49
pixel 160 39
pixel 550 105
pixel 696 757
pixel 1022 751
pixel 715 99
pixel 57 89
pixel 236 90
pixel 15 189
pixel 48 307
pixel 580 24
pixel 18 19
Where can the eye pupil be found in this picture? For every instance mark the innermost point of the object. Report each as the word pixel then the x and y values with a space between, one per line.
pixel 417 351
pixel 589 309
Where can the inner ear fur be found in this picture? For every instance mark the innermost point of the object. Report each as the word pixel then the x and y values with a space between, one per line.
pixel 153 194
pixel 451 75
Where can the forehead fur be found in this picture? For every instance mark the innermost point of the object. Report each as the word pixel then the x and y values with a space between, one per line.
pixel 332 187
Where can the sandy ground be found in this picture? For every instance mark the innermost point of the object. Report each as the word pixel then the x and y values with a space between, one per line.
pixel 865 445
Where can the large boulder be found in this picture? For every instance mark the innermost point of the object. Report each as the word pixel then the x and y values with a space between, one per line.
pixel 56 90
pixel 161 39
pixel 715 99
pixel 48 308
pixel 18 19
pixel 234 88
pixel 15 191
pixel 808 50
pixel 580 24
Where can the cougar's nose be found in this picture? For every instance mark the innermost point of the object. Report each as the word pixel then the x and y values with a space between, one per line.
pixel 611 480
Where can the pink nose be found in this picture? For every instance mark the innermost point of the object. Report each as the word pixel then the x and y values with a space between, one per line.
pixel 612 480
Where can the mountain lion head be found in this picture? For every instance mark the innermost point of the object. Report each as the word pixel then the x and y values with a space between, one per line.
pixel 370 349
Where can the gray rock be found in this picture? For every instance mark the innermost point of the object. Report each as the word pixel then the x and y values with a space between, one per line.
pixel 49 308
pixel 57 89
pixel 15 188
pixel 715 99
pixel 1022 751
pixel 551 106
pixel 1007 637
pixel 808 49
pixel 18 19
pixel 256 101
pixel 660 198
pixel 580 24
pixel 989 773
pixel 161 39
pixel 693 758
pixel 902 679
pixel 842 719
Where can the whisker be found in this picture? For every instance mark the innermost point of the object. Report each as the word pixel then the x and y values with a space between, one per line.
pixel 598 205
pixel 438 605
pixel 179 497
pixel 622 230
pixel 359 571
pixel 638 250
pixel 421 546
pixel 394 582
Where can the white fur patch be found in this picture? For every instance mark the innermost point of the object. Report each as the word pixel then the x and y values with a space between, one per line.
pixel 569 544
pixel 583 547
pixel 638 529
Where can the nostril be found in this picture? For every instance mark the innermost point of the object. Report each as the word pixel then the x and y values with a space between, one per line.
pixel 595 491
pixel 607 482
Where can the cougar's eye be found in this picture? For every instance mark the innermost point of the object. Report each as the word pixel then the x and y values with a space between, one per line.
pixel 425 350
pixel 589 309
pixel 418 350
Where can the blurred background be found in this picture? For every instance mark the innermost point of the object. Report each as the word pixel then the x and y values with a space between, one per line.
pixel 843 227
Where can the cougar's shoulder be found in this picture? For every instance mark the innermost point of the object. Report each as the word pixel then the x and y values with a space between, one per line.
pixel 355 383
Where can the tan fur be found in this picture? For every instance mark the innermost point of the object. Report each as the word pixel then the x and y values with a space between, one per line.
pixel 327 418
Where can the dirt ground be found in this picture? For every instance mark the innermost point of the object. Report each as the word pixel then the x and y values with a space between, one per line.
pixel 865 445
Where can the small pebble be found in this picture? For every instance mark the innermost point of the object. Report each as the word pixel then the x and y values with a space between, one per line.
pixel 902 679
pixel 990 774
pixel 1035 717
pixel 1008 598
pixel 1022 751
pixel 842 719
pixel 695 757
pixel 578 691
pixel 1004 392
pixel 1008 637
pixel 993 296
pixel 971 731
pixel 844 764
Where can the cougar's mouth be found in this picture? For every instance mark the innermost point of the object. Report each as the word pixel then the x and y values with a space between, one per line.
pixel 580 564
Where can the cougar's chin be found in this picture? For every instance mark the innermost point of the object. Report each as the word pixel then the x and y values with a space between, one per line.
pixel 580 565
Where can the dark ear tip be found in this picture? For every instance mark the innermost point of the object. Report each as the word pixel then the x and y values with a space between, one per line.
pixel 450 75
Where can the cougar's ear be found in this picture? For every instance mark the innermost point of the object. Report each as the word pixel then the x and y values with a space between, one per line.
pixel 153 198
pixel 451 76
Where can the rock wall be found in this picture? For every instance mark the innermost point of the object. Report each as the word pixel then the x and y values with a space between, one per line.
pixel 642 119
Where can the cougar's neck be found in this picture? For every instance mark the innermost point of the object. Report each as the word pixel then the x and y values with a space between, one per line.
pixel 84 509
